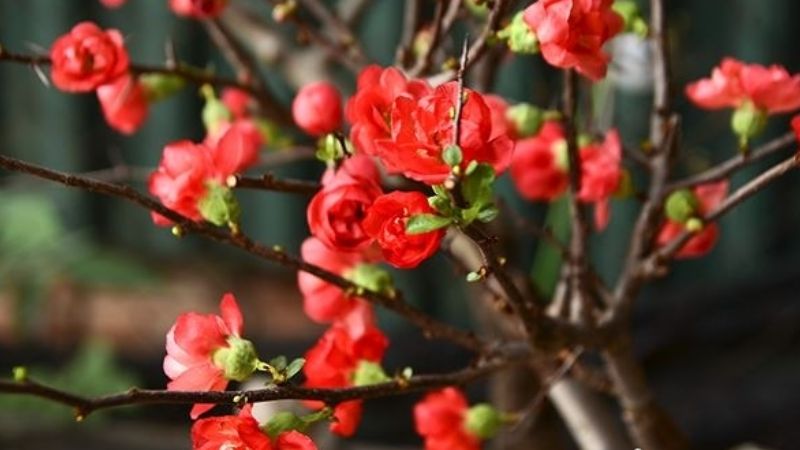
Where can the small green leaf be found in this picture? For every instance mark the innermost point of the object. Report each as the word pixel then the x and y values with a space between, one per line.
pixel 317 416
pixel 452 155
pixel 488 214
pixel 285 421
pixel 476 187
pixel 294 367
pixel 279 363
pixel 424 223
pixel 440 204
pixel 407 373
pixel 440 190
pixel 473 277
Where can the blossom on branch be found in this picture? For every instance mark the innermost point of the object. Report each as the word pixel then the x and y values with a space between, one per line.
pixel 572 33
pixel 317 108
pixel 386 222
pixel 440 418
pixel 204 352
pixel 336 212
pixel 124 103
pixel 704 199
pixel 242 432
pixel 198 9
pixel 87 57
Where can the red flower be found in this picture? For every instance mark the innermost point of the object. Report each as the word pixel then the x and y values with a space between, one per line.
pixel 181 179
pixel 601 173
pixel 324 302
pixel 369 110
pixel 335 213
pixel 386 223
pixel 124 104
pixel 422 129
pixel 709 197
pixel 317 108
pixel 87 57
pixel 242 432
pixel 571 33
pixel 770 89
pixel 333 360
pixel 198 9
pixel 236 100
pixel 440 419
pixel 194 361
pixel 539 164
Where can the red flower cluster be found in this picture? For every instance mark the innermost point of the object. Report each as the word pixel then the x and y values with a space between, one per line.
pixel 186 169
pixel 198 9
pixel 708 196
pixel 407 125
pixel 540 168
pixel 89 58
pixel 194 345
pixel 386 223
pixel 317 108
pixel 333 360
pixel 242 432
pixel 440 419
pixel 572 33
pixel 770 89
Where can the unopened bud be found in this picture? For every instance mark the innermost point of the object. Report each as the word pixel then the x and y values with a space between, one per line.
pixel 238 360
pixel 371 277
pixel 219 206
pixel 519 36
pixel 629 11
pixel 681 206
pixel 483 420
pixel 747 122
pixel 368 373
pixel 215 113
pixel 159 86
pixel 527 119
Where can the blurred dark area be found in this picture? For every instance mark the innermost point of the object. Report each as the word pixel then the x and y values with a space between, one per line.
pixel 88 286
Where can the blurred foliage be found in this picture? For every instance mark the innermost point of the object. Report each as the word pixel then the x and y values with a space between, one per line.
pixel 36 250
pixel 92 371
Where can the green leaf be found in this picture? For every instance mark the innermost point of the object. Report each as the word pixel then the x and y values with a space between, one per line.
pixel 488 214
pixel 285 421
pixel 473 277
pixel 279 363
pixel 294 367
pixel 424 223
pixel 476 187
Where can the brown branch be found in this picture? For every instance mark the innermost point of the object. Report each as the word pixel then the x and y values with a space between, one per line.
pixel 741 160
pixel 431 327
pixel 269 182
pixel 410 26
pixel 344 35
pixel 424 60
pixel 190 74
pixel 84 406
pixel 754 186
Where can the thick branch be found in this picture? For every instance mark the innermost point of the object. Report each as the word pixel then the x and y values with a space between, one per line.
pixel 430 327
pixel 86 405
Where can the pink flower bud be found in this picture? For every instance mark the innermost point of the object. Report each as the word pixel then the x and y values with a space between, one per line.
pixel 317 108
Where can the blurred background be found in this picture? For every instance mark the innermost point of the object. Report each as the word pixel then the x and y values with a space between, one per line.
pixel 88 286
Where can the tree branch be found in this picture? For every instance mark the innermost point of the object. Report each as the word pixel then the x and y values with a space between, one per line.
pixel 431 327
pixel 741 160
pixel 84 406
pixel 269 182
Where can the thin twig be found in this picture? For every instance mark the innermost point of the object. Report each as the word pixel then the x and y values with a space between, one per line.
pixel 741 160
pixel 410 25
pixel 269 182
pixel 431 327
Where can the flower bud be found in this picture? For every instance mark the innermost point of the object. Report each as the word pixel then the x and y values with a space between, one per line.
pixel 368 373
pixel 329 149
pixel 371 277
pixel 560 150
pixel 681 206
pixel 219 206
pixel 483 420
pixel 527 119
pixel 158 86
pixel 477 8
pixel 629 11
pixel 747 122
pixel 215 113
pixel 519 36
pixel 317 108
pixel 422 42
pixel 238 360
pixel 694 225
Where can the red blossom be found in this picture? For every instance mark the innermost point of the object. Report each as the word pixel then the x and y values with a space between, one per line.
pixel 796 127
pixel 87 57
pixel 572 33
pixel 198 9
pixel 440 419
pixel 191 344
pixel 336 212
pixel 124 104
pixel 369 110
pixel 601 173
pixel 242 432
pixel 237 101
pixel 539 165
pixel 317 108
pixel 422 129
pixel 181 179
pixel 386 223
pixel 347 417
pixel 324 302
pixel 709 197
pixel 770 89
